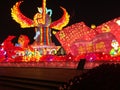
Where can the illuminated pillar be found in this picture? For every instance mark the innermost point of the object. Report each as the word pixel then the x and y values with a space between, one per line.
pixel 44 38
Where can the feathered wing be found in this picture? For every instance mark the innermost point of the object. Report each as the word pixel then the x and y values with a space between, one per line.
pixel 62 22
pixel 20 18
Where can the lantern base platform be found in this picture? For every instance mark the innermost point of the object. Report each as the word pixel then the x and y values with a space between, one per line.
pixel 46 49
pixel 57 64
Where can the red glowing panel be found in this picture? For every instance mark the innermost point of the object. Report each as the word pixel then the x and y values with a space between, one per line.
pixel 72 33
pixel 99 44
pixel 112 26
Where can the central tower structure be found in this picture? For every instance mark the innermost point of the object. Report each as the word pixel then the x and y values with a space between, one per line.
pixel 43 25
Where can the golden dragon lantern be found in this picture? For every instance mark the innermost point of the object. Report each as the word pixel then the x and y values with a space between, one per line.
pixel 42 23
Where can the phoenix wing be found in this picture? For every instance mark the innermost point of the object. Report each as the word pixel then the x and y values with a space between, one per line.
pixel 62 22
pixel 20 18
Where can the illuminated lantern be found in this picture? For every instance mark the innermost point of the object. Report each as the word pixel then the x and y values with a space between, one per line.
pixel 23 41
pixel 115 48
pixel 93 26
pixel 70 34
pixel 42 23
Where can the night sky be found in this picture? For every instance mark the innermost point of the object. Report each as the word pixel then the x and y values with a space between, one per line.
pixel 89 11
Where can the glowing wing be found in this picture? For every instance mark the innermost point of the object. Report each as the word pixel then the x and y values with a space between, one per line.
pixel 20 18
pixel 62 22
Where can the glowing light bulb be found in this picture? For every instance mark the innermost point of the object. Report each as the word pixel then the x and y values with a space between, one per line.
pixel 118 22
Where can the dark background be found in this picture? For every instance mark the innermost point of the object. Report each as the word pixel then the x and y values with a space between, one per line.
pixel 90 11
